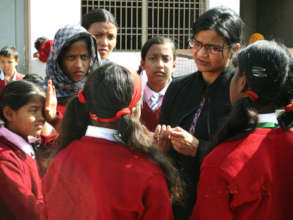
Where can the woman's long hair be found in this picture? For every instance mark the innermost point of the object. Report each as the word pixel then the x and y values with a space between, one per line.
pixel 107 90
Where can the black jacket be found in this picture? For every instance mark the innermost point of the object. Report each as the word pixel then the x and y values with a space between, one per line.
pixel 179 106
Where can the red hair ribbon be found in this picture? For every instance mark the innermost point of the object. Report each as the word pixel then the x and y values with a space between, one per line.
pixel 252 95
pixel 44 50
pixel 288 108
pixel 137 88
pixel 81 97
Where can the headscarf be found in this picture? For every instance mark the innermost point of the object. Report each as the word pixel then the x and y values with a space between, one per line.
pixel 65 87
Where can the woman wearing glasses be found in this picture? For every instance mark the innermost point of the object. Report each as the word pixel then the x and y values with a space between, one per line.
pixel 195 105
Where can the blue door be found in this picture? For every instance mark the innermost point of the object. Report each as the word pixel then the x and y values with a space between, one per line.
pixel 12 28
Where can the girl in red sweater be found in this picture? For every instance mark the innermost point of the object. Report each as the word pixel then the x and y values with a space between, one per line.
pixel 22 111
pixel 249 174
pixel 107 167
pixel 158 59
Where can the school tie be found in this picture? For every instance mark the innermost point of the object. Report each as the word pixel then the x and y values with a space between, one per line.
pixel 154 101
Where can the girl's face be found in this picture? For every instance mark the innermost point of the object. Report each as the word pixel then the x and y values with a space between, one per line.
pixel 159 64
pixel 106 35
pixel 237 87
pixel 27 120
pixel 210 53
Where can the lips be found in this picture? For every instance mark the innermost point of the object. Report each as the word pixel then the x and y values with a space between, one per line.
pixel 159 74
pixel 103 51
pixel 202 62
pixel 78 73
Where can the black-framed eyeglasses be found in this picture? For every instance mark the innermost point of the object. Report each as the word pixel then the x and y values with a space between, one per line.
pixel 210 48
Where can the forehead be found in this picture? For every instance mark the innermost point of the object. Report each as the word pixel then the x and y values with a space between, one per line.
pixel 209 36
pixel 102 27
pixel 36 100
pixel 161 49
pixel 77 46
pixel 8 58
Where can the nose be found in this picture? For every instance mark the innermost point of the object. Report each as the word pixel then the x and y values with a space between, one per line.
pixel 103 41
pixel 78 62
pixel 203 51
pixel 160 63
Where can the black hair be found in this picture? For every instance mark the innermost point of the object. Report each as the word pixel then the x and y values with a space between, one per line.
pixel 266 65
pixel 98 15
pixel 39 41
pixel 33 77
pixel 224 21
pixel 8 51
pixel 17 94
pixel 155 40
pixel 107 90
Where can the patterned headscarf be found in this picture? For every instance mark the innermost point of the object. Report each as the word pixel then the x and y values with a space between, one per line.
pixel 65 87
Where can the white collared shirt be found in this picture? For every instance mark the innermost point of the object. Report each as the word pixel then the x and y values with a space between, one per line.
pixel 268 117
pixel 17 141
pixel 148 92
pixel 100 132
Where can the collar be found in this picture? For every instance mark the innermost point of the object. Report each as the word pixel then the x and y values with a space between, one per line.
pixel 100 132
pixel 18 141
pixel 148 92
pixel 268 120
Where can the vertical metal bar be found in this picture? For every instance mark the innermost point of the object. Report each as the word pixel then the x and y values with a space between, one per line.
pixel 144 21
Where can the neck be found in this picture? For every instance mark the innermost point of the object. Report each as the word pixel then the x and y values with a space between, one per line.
pixel 210 77
pixel 8 76
pixel 157 87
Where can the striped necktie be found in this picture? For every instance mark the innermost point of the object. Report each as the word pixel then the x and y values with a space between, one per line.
pixel 154 101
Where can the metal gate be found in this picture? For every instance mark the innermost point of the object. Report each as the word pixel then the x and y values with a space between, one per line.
pixel 139 20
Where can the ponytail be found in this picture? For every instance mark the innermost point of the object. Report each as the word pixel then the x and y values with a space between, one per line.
pixel 132 133
pixel 242 121
pixel 74 123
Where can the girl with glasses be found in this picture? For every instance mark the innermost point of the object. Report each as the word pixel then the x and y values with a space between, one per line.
pixel 194 105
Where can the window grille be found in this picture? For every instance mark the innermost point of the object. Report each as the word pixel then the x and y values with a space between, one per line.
pixel 139 20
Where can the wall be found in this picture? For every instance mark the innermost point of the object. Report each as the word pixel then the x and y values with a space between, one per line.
pixel 270 18
pixel 46 17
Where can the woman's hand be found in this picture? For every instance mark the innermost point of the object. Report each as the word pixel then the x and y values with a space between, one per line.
pixel 183 142
pixel 51 102
pixel 161 137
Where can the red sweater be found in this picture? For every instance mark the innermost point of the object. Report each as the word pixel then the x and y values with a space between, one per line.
pixel 149 117
pixel 251 178
pixel 20 184
pixel 94 178
pixel 4 82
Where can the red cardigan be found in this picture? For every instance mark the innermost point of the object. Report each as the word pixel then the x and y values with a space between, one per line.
pixel 4 82
pixel 251 178
pixel 94 178
pixel 20 184
pixel 149 117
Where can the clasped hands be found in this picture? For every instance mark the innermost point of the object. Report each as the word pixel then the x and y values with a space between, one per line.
pixel 181 140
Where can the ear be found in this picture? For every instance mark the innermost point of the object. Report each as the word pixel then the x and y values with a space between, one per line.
pixel 174 64
pixel 8 113
pixel 17 61
pixel 235 49
pixel 242 83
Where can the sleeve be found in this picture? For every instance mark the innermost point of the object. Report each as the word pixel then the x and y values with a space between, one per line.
pixel 157 203
pixel 212 196
pixel 166 105
pixel 19 198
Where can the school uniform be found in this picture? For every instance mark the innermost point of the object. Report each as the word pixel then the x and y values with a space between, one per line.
pixel 4 82
pixel 248 178
pixel 98 178
pixel 150 111
pixel 20 181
